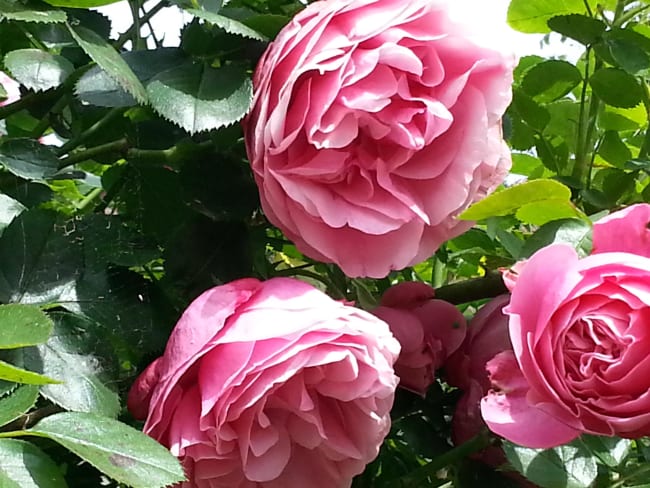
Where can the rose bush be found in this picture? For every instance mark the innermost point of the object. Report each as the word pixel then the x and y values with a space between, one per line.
pixel 487 335
pixel 581 343
pixel 427 329
pixel 374 124
pixel 270 384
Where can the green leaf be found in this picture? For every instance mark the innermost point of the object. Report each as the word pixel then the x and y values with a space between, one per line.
pixel 531 16
pixel 209 5
pixel 268 25
pixel 109 60
pixel 529 110
pixel 28 158
pixel 29 12
pixel 539 213
pixel 525 63
pixel 553 152
pixel 120 451
pixel 9 209
pixel 564 116
pixel 610 120
pixel 523 137
pixel 38 262
pixel 23 325
pixel 75 354
pixel 569 466
pixel 231 26
pixel 584 29
pixel 628 55
pixel 510 242
pixel 117 243
pixel 25 466
pixel 198 97
pixel 613 150
pixel 80 3
pixel 550 80
pixel 98 88
pixel 17 403
pixel 527 165
pixel 625 48
pixel 9 372
pixel 615 87
pixel 614 183
pixel 610 450
pixel 38 70
pixel 506 202
pixel 574 232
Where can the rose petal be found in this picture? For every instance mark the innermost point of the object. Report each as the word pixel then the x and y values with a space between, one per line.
pixel 626 231
pixel 508 413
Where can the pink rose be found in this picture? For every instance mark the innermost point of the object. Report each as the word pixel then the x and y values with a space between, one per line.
pixel 270 384
pixel 487 335
pixel 11 87
pixel 580 336
pixel 428 330
pixel 374 124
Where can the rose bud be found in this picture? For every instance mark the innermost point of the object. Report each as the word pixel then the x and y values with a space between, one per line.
pixel 428 330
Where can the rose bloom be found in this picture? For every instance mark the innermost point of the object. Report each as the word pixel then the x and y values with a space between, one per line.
pixel 374 124
pixel 12 90
pixel 270 384
pixel 428 330
pixel 11 87
pixel 581 343
pixel 487 335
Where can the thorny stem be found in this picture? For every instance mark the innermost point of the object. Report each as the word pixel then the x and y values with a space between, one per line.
pixel 126 36
pixel 27 420
pixel 136 37
pixel 159 156
pixel 92 130
pixel 44 123
pixel 120 145
pixel 26 101
pixel 488 286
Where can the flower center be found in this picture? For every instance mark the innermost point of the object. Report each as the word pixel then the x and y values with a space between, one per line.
pixel 592 345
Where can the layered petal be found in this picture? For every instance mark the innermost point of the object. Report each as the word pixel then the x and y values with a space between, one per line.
pixel 258 375
pixel 374 124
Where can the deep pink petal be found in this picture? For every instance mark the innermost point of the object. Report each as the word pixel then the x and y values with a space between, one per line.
pixel 624 231
pixel 508 413
pixel 142 390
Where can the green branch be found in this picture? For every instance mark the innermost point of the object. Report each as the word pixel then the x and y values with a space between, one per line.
pixel 92 130
pixel 126 36
pixel 16 427
pixel 121 145
pixel 415 478
pixel 170 156
pixel 27 101
pixel 489 286
pixel 624 17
